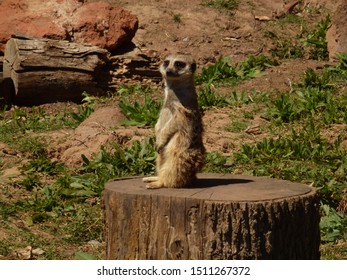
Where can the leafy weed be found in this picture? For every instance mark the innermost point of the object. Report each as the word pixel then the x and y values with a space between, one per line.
pixel 316 40
pixel 145 114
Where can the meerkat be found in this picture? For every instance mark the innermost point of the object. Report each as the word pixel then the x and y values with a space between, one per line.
pixel 178 131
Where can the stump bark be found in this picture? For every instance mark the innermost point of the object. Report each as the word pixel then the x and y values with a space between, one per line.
pixel 43 70
pixel 219 217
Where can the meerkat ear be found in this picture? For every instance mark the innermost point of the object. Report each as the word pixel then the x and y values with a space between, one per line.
pixel 193 67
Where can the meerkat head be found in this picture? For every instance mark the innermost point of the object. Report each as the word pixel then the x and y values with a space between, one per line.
pixel 177 66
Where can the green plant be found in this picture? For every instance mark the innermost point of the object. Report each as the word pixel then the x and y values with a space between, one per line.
pixel 340 70
pixel 221 70
pixel 316 96
pixel 85 225
pixel 7 209
pixel 18 128
pixel 85 110
pixel 111 162
pixel 208 97
pixel 43 165
pixel 305 43
pixel 177 18
pixel 42 200
pixel 84 256
pixel 129 90
pixel 303 156
pixel 224 71
pixel 237 126
pixel 4 248
pixel 342 64
pixel 333 225
pixel 291 18
pixel 316 40
pixel 78 186
pixel 216 162
pixel 119 162
pixel 221 4
pixel 23 120
pixel 254 65
pixel 240 98
pixel 334 250
pixel 285 48
pixel 32 146
pixel 30 182
pixel 315 80
pixel 284 109
pixel 145 114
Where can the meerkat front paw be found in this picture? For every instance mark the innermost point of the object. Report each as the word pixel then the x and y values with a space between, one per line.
pixel 154 182
pixel 155 185
pixel 150 179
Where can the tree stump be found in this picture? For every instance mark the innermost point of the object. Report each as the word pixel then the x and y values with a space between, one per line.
pixel 42 70
pixel 219 217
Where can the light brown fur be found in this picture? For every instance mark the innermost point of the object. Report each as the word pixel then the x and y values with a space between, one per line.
pixel 179 146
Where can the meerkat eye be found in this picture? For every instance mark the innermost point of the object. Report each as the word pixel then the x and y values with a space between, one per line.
pixel 180 65
pixel 166 63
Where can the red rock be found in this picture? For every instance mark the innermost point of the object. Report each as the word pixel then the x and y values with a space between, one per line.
pixel 337 36
pixel 108 28
pixel 27 17
pixel 98 23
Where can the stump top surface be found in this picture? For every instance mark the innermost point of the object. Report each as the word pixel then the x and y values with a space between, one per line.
pixel 218 187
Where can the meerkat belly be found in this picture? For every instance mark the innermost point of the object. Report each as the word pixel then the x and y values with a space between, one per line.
pixel 165 117
pixel 178 144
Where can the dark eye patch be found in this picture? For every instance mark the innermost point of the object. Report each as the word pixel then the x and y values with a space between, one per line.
pixel 166 63
pixel 179 65
pixel 193 67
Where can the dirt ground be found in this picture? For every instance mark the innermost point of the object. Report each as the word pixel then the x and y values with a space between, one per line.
pixel 207 34
pixel 167 26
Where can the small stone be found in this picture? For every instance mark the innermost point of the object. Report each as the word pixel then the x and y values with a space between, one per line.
pixel 38 252
pixel 24 253
pixel 94 243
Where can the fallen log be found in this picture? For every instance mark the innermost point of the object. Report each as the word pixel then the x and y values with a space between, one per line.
pixel 44 70
pixel 220 217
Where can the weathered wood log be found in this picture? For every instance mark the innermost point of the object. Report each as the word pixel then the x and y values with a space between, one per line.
pixel 44 70
pixel 220 217
pixel 135 64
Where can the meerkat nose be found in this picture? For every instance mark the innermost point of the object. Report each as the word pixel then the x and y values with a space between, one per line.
pixel 169 72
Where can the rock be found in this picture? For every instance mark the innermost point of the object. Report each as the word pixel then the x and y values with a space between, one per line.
pixel 90 135
pixel 24 253
pixel 94 243
pixel 336 36
pixel 102 127
pixel 72 20
pixel 27 17
pixel 38 252
pixel 109 28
